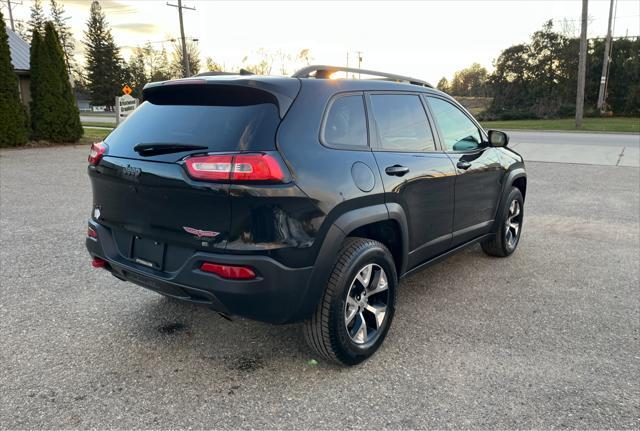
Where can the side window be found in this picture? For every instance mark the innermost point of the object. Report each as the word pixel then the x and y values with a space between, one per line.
pixel 459 133
pixel 346 125
pixel 402 123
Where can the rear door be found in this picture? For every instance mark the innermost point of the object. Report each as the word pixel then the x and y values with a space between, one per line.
pixel 478 184
pixel 415 173
pixel 156 212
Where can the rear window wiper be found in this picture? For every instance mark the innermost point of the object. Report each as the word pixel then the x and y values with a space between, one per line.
pixel 164 148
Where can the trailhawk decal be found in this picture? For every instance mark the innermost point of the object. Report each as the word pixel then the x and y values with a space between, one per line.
pixel 200 233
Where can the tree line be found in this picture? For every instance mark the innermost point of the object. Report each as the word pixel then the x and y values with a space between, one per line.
pixel 106 71
pixel 538 79
pixel 53 114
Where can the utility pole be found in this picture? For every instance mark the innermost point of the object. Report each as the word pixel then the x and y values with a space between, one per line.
pixel 602 94
pixel 13 27
pixel 185 56
pixel 582 66
pixel 359 61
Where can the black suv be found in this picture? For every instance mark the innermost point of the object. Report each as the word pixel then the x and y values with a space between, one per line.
pixel 303 198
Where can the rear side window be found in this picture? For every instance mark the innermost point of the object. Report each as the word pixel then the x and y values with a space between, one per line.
pixel 216 123
pixel 346 125
pixel 402 123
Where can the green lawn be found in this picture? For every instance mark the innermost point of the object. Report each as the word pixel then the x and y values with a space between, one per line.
pixel 92 134
pixel 98 124
pixel 616 124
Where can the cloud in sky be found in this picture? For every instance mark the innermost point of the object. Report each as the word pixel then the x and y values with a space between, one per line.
pixel 138 27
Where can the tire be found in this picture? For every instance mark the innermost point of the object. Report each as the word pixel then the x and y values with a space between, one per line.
pixel 509 227
pixel 335 331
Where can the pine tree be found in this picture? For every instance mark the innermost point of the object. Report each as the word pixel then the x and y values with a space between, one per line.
pixel 64 33
pixel 37 85
pixel 37 18
pixel 13 118
pixel 55 116
pixel 104 64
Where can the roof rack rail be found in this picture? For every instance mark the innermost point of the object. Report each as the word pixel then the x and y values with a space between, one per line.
pixel 324 71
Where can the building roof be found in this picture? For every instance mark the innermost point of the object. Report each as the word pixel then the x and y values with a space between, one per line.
pixel 19 51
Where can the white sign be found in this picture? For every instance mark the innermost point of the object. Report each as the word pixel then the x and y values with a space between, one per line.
pixel 125 105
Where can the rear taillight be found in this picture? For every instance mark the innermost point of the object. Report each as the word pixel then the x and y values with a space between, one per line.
pixel 98 263
pixel 235 167
pixel 231 272
pixel 97 151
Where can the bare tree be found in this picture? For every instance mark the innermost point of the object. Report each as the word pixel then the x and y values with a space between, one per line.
pixel 193 56
pixel 264 64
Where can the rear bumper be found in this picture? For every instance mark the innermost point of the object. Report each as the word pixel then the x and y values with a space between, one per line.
pixel 277 295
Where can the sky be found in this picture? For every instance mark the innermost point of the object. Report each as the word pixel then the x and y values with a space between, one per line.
pixel 423 39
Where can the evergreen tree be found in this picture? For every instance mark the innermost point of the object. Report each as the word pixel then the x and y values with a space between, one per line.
pixel 13 118
pixel 136 75
pixel 104 64
pixel 37 18
pixel 37 84
pixel 55 116
pixel 64 33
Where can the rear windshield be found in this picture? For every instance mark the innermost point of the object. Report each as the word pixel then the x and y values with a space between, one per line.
pixel 219 127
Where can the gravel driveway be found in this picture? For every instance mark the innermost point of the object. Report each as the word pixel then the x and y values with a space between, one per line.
pixel 547 338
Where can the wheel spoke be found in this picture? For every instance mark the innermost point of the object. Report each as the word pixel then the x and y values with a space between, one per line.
pixel 516 210
pixel 360 329
pixel 381 285
pixel 512 208
pixel 509 236
pixel 378 311
pixel 351 313
pixel 364 276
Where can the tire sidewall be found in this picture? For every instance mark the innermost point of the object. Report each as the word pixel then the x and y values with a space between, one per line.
pixel 350 352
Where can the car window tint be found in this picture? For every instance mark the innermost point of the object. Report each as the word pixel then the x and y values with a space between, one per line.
pixel 459 133
pixel 402 123
pixel 346 124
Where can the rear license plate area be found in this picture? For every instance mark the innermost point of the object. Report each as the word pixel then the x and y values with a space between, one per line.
pixel 148 252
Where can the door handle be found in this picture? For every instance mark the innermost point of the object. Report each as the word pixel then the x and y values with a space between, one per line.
pixel 463 165
pixel 396 170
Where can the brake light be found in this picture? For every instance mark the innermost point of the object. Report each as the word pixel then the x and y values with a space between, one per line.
pixel 238 167
pixel 98 263
pixel 97 151
pixel 231 272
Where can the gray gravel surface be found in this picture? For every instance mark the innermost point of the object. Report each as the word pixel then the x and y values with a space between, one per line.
pixel 545 339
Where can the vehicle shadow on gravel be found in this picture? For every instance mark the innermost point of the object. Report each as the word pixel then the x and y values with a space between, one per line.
pixel 175 328
pixel 183 329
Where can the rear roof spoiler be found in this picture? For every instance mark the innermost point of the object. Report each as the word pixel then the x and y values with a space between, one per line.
pixel 284 90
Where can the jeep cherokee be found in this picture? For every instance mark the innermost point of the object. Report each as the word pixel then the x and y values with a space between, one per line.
pixel 299 199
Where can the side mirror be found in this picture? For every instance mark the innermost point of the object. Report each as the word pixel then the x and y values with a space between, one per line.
pixel 498 138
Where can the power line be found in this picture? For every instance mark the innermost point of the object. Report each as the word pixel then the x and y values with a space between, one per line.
pixel 9 3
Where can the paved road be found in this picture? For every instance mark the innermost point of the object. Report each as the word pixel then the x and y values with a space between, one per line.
pixel 98 118
pixel 612 149
pixel 547 338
